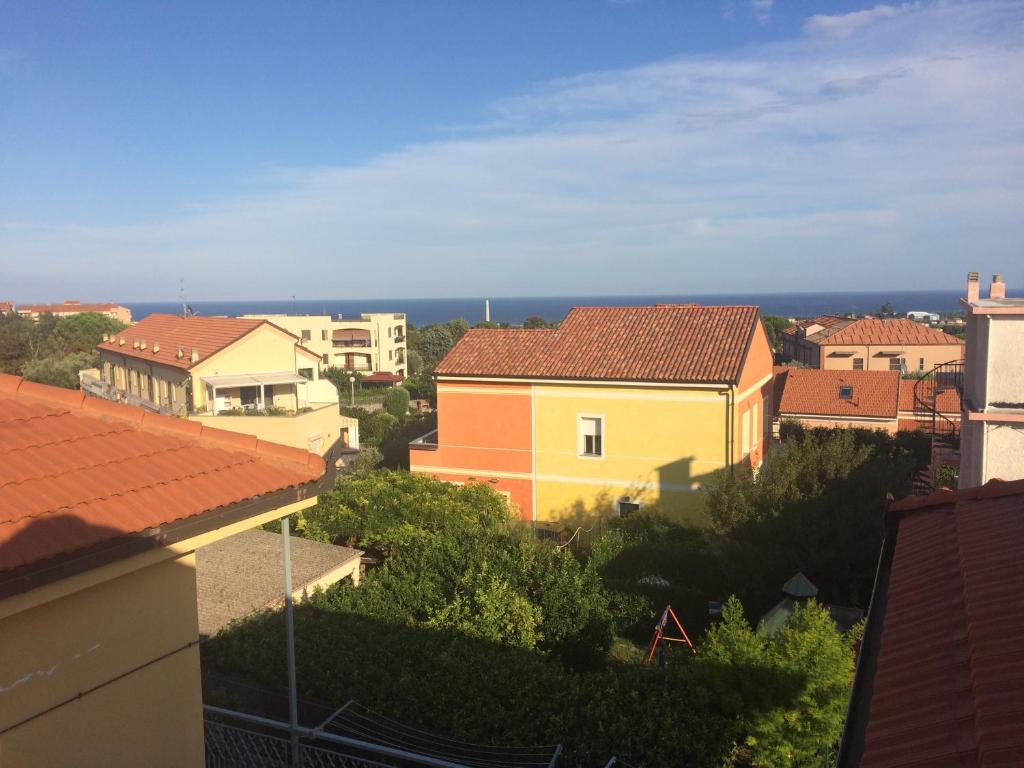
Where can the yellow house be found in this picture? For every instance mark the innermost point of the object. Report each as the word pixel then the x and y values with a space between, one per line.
pixel 369 343
pixel 617 409
pixel 102 507
pixel 244 375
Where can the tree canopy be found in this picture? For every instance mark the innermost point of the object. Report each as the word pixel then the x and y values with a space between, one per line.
pixel 52 350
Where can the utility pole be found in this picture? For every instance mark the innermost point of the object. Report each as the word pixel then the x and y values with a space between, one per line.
pixel 293 696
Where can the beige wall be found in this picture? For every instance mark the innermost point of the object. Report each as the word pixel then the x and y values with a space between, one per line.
pixel 89 642
pixel 1005 367
pixel 315 430
pixel 133 375
pixel 885 425
pixel 991 451
pixel 932 354
pixel 387 351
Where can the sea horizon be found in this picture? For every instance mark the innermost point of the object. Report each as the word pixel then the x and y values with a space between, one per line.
pixel 423 311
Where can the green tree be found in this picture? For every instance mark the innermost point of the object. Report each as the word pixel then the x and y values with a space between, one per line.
pixel 396 402
pixel 59 370
pixel 535 321
pixel 434 343
pixel 774 325
pixel 458 328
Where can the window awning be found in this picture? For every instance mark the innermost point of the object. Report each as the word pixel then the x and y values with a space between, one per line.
pixel 253 379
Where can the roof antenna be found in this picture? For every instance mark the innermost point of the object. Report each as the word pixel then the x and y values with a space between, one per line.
pixel 186 308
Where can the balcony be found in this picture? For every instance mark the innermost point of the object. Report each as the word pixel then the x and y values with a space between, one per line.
pixel 427 442
pixel 351 343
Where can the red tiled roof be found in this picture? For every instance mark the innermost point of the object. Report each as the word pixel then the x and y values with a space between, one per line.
pixel 949 683
pixel 6 306
pixel 666 342
pixel 76 471
pixel 825 321
pixel 382 377
pixel 949 398
pixel 815 392
pixel 207 335
pixel 895 332
pixel 69 306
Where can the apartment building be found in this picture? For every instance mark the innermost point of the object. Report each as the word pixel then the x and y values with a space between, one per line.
pixel 73 307
pixel 244 375
pixel 102 511
pixel 370 343
pixel 618 408
pixel 870 344
pixel 992 433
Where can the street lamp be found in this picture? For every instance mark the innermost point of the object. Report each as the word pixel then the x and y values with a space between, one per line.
pixel 352 391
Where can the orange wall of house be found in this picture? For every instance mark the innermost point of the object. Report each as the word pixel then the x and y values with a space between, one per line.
pixel 486 429
pixel 757 366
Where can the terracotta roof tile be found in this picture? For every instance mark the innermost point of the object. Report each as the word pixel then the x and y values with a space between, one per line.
pixel 74 474
pixel 815 392
pixel 207 335
pixel 949 397
pixel 666 342
pixel 69 306
pixel 825 321
pixel 949 683
pixel 897 331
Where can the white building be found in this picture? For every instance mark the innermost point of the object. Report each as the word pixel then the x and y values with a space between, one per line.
pixel 369 343
pixel 992 432
pixel 922 317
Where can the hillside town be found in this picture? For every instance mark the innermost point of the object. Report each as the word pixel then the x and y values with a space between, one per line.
pixel 534 384
pixel 170 469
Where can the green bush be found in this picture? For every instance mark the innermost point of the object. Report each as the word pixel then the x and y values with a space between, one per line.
pixel 396 401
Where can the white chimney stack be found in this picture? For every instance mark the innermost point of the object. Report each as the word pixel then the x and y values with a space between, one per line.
pixel 195 355
pixel 156 347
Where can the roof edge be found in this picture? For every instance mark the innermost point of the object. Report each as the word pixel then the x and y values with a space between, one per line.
pixel 993 489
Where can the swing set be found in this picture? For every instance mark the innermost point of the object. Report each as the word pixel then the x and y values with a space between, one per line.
pixel 660 638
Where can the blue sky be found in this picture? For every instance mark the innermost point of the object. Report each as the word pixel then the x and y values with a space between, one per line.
pixel 390 149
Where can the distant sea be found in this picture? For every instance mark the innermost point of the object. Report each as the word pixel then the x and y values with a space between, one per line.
pixel 514 310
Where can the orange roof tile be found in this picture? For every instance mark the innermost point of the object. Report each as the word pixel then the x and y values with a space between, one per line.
pixel 76 472
pixel 949 397
pixel 895 332
pixel 666 342
pixel 69 306
pixel 825 321
pixel 207 335
pixel 815 392
pixel 948 682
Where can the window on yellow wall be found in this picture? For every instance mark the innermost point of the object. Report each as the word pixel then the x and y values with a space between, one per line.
pixel 590 436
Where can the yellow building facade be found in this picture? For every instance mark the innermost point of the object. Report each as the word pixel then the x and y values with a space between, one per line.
pixel 565 450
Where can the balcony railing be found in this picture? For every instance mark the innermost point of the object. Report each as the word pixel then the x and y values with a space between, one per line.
pixel 361 343
pixel 427 442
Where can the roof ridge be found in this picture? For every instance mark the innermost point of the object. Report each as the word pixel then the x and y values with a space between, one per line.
pixel 201 433
pixel 993 489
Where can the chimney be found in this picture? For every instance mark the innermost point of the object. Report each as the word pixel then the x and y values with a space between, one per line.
pixel 181 351
pixel 195 355
pixel 998 288
pixel 973 288
pixel 156 347
pixel 106 338
pixel 121 342
pixel 135 343
pixel 142 344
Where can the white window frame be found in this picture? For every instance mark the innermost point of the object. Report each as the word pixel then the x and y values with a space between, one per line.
pixel 627 500
pixel 581 442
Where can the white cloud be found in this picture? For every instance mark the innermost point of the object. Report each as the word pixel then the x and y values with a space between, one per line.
pixel 845 24
pixel 893 157
pixel 762 9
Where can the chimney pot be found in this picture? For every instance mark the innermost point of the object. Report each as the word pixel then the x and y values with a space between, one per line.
pixel 181 352
pixel 998 288
pixel 156 347
pixel 135 343
pixel 973 287
pixel 142 344
pixel 121 342
pixel 195 355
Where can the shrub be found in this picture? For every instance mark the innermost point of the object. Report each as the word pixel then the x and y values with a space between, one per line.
pixel 396 401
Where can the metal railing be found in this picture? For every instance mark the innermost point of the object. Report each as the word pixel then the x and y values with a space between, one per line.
pixel 239 740
pixel 927 393
pixel 425 442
